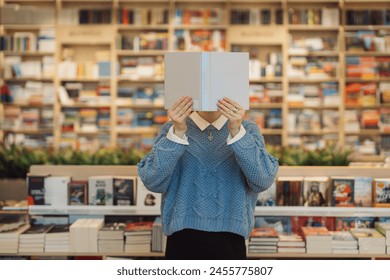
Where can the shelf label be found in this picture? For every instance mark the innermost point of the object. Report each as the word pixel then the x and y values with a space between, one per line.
pixel 257 35
pixel 86 34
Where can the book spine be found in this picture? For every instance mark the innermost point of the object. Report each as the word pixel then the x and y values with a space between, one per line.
pixel 205 104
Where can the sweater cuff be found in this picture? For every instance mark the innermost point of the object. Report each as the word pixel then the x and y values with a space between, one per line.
pixel 173 137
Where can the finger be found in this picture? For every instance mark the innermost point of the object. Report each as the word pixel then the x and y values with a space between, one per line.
pixel 232 102
pixel 181 107
pixel 186 114
pixel 178 102
pixel 227 113
pixel 227 105
pixel 226 108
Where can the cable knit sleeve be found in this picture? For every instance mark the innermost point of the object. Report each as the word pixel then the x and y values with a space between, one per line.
pixel 258 166
pixel 157 167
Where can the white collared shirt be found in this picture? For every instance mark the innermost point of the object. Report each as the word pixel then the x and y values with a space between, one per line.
pixel 203 124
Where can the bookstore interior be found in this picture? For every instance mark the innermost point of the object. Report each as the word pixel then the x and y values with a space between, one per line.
pixel 82 99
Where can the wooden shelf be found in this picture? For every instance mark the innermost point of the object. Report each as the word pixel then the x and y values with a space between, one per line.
pixel 303 27
pixel 162 27
pixel 362 80
pixel 141 53
pixel 321 132
pixel 311 80
pixel 318 53
pixel 366 27
pixel 26 79
pixel 205 27
pixel 27 26
pixel 29 131
pixel 266 80
pixel 92 80
pixel 27 53
pixel 301 107
pixel 28 105
pixel 364 53
pixel 368 132
pixel 266 106
pixel 138 131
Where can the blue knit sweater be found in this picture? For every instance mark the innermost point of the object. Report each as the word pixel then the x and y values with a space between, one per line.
pixel 209 185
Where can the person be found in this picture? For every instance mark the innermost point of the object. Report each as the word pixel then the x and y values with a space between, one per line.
pixel 210 168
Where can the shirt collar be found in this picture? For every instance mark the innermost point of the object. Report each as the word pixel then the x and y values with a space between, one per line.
pixel 203 124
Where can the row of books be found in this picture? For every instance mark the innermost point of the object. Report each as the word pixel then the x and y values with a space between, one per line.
pixel 255 16
pixel 98 120
pixel 32 93
pixel 75 15
pixel 367 40
pixel 324 94
pixel 15 67
pixel 17 118
pixel 312 67
pixel 199 40
pixel 85 236
pixel 206 16
pixel 143 41
pixel 143 16
pixel 301 121
pixel 368 17
pixel 314 16
pixel 321 240
pixel 367 119
pixel 338 191
pixel 265 93
pixel 270 119
pixel 303 45
pixel 367 94
pixel 135 68
pixel 97 190
pixel 367 67
pixel 28 42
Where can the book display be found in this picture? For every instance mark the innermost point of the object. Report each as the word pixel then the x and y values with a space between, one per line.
pixel 89 75
pixel 130 225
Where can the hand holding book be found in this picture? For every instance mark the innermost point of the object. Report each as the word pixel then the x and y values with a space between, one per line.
pixel 233 112
pixel 178 113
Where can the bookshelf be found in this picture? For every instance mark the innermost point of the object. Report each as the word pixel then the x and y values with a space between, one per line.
pixel 312 45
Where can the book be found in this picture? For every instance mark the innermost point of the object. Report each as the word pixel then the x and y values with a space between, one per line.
pixel 316 234
pixel 347 223
pixel 343 238
pixel 297 222
pixel 316 191
pixel 147 199
pixel 363 192
pixel 279 223
pixel 100 190
pixel 56 190
pixel 382 192
pixel 289 191
pixel 206 77
pixel 36 189
pixel 267 197
pixel 263 234
pixel 343 191
pixel 78 193
pixel 125 190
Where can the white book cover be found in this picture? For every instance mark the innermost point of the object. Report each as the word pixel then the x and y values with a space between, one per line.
pixel 206 77
pixel 56 190
pixel 100 190
pixel 147 199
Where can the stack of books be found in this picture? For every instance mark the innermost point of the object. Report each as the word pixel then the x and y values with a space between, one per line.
pixel 384 228
pixel 138 237
pixel 9 239
pixel 110 238
pixel 263 240
pixel 158 239
pixel 318 240
pixel 343 242
pixel 84 235
pixel 370 240
pixel 33 240
pixel 57 239
pixel 291 243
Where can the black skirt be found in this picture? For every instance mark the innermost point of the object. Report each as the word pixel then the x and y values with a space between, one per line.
pixel 190 244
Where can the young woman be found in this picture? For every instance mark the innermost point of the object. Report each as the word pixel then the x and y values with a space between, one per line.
pixel 210 167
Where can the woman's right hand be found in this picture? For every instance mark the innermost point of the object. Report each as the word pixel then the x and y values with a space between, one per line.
pixel 179 113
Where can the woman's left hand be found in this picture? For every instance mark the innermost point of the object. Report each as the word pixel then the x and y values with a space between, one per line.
pixel 234 112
